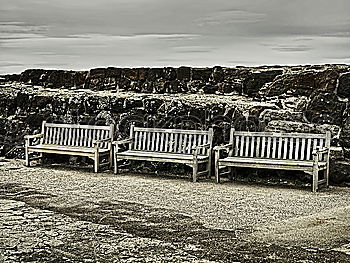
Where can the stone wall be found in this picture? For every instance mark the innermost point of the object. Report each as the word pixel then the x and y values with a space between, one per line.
pixel 292 99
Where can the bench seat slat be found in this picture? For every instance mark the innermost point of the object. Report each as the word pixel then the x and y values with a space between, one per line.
pixel 259 161
pixel 64 148
pixel 161 155
pixel 278 135
pixel 170 130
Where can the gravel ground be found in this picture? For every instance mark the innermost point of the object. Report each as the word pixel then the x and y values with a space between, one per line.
pixel 65 214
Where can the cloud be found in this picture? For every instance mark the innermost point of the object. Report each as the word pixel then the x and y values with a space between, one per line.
pixel 192 49
pixel 171 36
pixel 230 17
pixel 291 48
pixel 20 30
pixel 337 34
pixel 10 64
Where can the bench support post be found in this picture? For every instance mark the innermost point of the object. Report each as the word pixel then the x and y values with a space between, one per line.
pixel 115 164
pixel 96 161
pixel 315 171
pixel 26 152
pixel 232 173
pixel 195 168
pixel 217 167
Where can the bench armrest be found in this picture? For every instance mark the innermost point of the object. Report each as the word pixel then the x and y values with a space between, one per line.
pixel 101 141
pixel 122 141
pixel 28 137
pixel 201 146
pixel 320 151
pixel 223 147
pixel 196 148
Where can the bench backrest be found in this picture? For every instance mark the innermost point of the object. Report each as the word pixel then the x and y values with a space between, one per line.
pixel 291 146
pixel 75 134
pixel 170 140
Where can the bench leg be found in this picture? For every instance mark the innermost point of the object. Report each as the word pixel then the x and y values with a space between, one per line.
pixel 115 164
pixel 315 179
pixel 110 159
pixel 195 170
pixel 217 168
pixel 96 162
pixel 326 174
pixel 27 157
pixel 209 168
pixel 232 174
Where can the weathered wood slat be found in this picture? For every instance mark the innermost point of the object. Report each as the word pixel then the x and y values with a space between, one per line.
pixel 195 138
pixel 322 144
pixel 314 145
pixel 291 147
pixel 144 140
pixel 263 145
pixel 258 147
pixel 247 146
pixel 61 134
pixel 279 151
pixel 48 135
pixel 302 151
pixel 273 134
pixel 156 148
pixel 296 153
pixel 149 141
pixel 201 142
pixel 308 149
pixel 77 126
pixel 171 142
pixel 285 147
pixel 242 138
pixel 74 137
pixel 170 130
pixel 166 144
pixel 268 147
pixel 190 141
pixel 274 147
pixel 162 142
pixel 139 140
pixel 135 145
pixel 180 143
pixel 237 141
pixel 70 136
pixel 252 146
pixel 54 137
pixel 94 135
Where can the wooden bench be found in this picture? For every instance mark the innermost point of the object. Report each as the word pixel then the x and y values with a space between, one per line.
pixel 284 151
pixel 190 147
pixel 81 140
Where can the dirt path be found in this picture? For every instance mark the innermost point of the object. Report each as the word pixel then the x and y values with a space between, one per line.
pixel 55 214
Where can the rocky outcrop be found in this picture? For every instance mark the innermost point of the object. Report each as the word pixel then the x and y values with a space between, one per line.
pixel 344 85
pixel 290 99
pixel 303 83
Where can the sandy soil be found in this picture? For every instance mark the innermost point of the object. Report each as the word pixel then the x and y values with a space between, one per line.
pixel 65 214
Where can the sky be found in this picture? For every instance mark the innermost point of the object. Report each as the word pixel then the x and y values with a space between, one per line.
pixel 83 34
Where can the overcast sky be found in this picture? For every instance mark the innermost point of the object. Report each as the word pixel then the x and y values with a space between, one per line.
pixel 81 34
